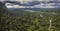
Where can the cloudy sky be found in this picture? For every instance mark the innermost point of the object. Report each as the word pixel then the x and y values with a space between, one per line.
pixel 41 5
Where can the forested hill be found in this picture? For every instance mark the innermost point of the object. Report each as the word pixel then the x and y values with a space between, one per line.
pixel 2 8
pixel 28 21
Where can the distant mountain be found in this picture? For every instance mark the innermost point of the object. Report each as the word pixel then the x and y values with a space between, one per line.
pixel 36 9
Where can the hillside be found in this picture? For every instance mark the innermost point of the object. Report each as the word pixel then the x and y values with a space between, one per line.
pixel 29 21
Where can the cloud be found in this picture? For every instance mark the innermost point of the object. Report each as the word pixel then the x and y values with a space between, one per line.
pixel 41 5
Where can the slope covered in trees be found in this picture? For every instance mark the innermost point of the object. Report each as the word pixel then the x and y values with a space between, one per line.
pixel 28 21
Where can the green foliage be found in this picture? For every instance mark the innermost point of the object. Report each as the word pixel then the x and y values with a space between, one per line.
pixel 28 21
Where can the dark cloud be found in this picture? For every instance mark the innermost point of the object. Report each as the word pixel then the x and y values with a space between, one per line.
pixel 36 3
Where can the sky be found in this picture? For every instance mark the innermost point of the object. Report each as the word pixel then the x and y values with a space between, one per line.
pixel 41 5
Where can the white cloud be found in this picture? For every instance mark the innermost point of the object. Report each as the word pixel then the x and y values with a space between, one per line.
pixel 41 5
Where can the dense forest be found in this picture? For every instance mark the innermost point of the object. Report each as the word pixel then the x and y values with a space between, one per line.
pixel 28 21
